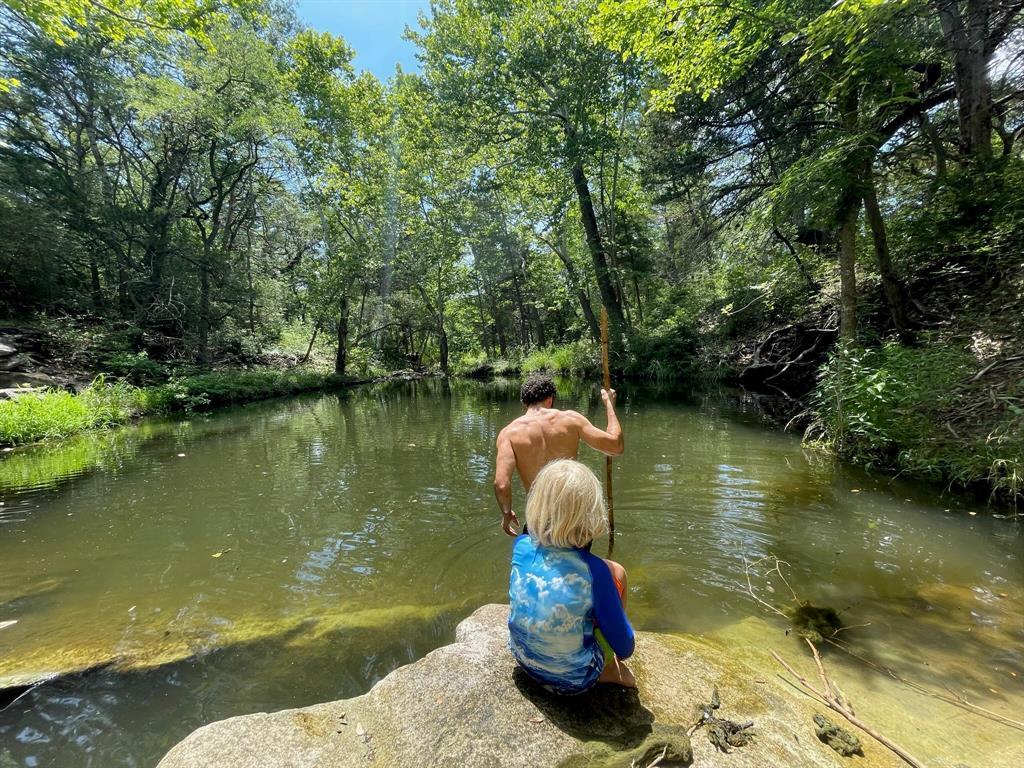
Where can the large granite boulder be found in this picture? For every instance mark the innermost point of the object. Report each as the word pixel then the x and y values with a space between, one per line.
pixel 467 705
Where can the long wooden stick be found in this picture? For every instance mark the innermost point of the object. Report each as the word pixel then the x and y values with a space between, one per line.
pixel 607 386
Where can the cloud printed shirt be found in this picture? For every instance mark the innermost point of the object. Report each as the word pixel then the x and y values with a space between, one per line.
pixel 556 594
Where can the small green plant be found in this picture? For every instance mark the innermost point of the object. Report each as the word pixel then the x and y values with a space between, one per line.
pixel 668 353
pixel 871 402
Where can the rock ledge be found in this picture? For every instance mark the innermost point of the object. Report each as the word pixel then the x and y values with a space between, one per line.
pixel 467 705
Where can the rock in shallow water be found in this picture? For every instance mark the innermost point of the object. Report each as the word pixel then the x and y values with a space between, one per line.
pixel 466 704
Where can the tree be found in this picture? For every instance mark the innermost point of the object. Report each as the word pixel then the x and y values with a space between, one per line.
pixel 118 20
pixel 973 31
pixel 843 80
pixel 347 166
pixel 537 84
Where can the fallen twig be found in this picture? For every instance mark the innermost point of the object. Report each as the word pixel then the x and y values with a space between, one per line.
pixel 993 364
pixel 955 699
pixel 829 698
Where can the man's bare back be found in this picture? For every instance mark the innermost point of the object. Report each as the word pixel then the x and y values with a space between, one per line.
pixel 544 434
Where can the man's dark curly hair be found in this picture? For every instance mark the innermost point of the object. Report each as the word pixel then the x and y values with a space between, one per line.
pixel 537 388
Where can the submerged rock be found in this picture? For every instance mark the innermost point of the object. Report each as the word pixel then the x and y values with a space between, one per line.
pixel 840 739
pixel 815 622
pixel 467 704
pixel 159 645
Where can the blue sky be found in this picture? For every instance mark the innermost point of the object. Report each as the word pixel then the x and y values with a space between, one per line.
pixel 372 27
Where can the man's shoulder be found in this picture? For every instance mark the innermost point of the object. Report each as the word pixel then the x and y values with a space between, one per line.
pixel 513 426
pixel 574 417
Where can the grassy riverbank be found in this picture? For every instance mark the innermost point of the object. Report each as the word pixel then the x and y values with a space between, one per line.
pixel 669 353
pixel 53 414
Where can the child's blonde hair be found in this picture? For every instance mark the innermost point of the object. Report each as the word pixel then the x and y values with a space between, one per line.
pixel 565 507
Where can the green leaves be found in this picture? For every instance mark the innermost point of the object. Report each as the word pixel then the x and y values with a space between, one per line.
pixel 698 47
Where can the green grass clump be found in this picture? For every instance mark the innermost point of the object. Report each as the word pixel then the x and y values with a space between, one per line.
pixel 52 414
pixel 669 352
pixel 55 413
pixel 574 358
pixel 871 402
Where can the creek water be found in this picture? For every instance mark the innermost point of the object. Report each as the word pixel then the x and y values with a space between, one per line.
pixel 290 552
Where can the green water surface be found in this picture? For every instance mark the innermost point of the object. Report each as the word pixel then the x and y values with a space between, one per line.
pixel 290 552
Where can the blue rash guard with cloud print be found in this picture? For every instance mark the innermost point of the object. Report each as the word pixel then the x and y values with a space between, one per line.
pixel 556 595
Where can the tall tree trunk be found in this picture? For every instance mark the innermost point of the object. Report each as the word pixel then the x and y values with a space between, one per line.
pixel 204 307
pixel 968 39
pixel 499 330
pixel 524 323
pixel 341 358
pixel 561 249
pixel 251 291
pixel 96 287
pixel 596 247
pixel 639 305
pixel 538 326
pixel 485 330
pixel 849 212
pixel 848 272
pixel 123 300
pixel 312 341
pixel 442 334
pixel 893 287
pixel 442 344
pixel 362 307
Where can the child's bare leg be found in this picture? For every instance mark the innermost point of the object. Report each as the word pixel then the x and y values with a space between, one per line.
pixel 617 673
pixel 619 573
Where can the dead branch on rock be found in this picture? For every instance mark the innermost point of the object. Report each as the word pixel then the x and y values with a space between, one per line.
pixel 830 697
pixel 722 733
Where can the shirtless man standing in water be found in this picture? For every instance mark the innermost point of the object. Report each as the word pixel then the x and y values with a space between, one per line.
pixel 544 434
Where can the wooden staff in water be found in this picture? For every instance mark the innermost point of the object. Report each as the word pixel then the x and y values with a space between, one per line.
pixel 608 459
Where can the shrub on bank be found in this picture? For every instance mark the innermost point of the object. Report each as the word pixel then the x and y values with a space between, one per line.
pixel 666 353
pixel 136 367
pixel 895 407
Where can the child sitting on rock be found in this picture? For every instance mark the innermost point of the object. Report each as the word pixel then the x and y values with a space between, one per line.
pixel 568 622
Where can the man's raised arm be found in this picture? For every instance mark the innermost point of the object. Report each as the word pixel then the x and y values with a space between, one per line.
pixel 505 465
pixel 608 441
